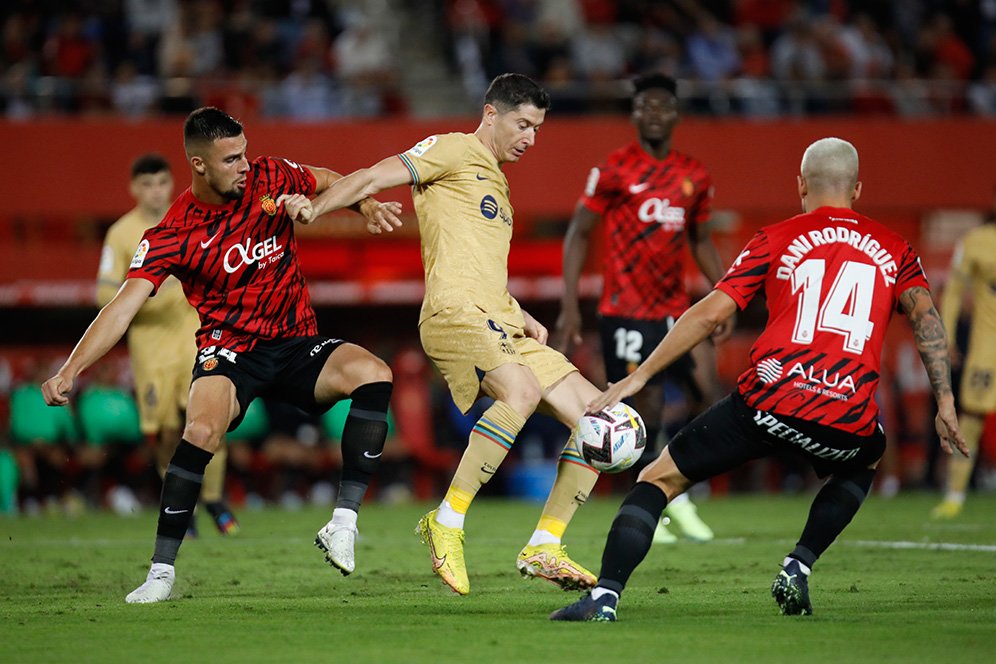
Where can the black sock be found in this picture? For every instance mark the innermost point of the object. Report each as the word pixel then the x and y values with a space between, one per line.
pixel 363 439
pixel 631 535
pixel 832 509
pixel 181 488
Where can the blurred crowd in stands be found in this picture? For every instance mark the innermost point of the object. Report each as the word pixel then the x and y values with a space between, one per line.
pixel 313 60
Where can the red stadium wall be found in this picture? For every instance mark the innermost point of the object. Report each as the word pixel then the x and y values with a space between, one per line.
pixel 73 167
pixel 65 180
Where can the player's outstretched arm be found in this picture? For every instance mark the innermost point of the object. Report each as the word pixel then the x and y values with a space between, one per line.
pixel 931 341
pixel 706 256
pixel 382 216
pixel 691 329
pixel 361 184
pixel 105 331
pixel 567 330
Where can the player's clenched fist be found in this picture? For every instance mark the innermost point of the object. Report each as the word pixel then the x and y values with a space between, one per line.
pixel 297 206
pixel 56 389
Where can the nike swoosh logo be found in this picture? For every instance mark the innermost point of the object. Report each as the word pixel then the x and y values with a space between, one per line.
pixel 639 188
pixel 436 561
pixel 207 243
pixel 170 510
pixel 484 469
pixel 480 177
pixel 372 456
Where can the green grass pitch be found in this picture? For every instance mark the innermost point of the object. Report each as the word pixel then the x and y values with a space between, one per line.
pixel 890 590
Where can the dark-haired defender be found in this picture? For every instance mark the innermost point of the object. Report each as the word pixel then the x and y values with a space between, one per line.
pixel 161 343
pixel 229 239
pixel 655 201
pixel 832 279
pixel 474 330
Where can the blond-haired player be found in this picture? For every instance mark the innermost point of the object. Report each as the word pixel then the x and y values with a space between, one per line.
pixel 474 330
pixel 161 342
pixel 972 269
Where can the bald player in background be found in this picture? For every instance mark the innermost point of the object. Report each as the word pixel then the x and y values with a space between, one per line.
pixel 161 339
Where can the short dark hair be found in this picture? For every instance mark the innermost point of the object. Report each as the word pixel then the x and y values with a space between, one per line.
pixel 209 124
pixel 654 81
pixel 509 91
pixel 149 164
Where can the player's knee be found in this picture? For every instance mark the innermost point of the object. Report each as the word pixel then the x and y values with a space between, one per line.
pixel 379 372
pixel 203 434
pixel 664 474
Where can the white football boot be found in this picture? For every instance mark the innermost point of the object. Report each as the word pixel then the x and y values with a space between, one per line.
pixel 158 586
pixel 337 540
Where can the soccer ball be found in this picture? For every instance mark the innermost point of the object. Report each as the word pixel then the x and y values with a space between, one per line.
pixel 613 439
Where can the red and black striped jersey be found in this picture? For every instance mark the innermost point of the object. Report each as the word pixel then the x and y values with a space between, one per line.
pixel 648 206
pixel 832 279
pixel 238 261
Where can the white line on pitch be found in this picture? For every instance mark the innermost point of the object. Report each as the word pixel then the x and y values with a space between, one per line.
pixel 927 546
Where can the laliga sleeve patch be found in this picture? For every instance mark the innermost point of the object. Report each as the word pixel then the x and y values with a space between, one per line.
pixel 139 259
pixel 106 260
pixel 423 146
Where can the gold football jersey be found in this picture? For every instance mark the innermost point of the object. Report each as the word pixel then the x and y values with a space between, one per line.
pixel 163 330
pixel 974 266
pixel 465 221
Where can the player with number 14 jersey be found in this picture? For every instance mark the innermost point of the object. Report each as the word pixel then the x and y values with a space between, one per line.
pixel 832 278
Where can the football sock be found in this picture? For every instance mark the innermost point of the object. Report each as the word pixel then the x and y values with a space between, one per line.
pixel 214 476
pixel 575 480
pixel 550 530
pixel 832 509
pixel 490 440
pixel 960 468
pixel 181 488
pixel 631 535
pixel 342 516
pixel 363 439
pixel 598 592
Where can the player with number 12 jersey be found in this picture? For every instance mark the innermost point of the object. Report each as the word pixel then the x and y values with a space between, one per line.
pixel 832 278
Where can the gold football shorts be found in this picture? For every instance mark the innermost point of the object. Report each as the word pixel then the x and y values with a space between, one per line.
pixel 466 342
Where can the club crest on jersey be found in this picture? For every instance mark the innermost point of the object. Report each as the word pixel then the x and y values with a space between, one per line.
pixel 687 187
pixel 210 364
pixel 268 204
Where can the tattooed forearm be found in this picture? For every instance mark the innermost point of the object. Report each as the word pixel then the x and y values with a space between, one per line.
pixel 931 341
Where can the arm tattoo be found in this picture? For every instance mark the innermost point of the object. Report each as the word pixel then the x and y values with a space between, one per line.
pixel 928 332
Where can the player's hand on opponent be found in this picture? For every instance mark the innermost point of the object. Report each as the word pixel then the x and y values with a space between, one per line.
pixel 567 331
pixel 946 424
pixel 723 331
pixel 56 390
pixel 381 216
pixel 297 207
pixel 533 328
pixel 627 387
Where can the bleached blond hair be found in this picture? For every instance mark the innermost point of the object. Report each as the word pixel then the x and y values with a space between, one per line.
pixel 830 165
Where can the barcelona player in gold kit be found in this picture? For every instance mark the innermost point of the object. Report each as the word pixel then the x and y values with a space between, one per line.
pixel 161 342
pixel 973 268
pixel 474 330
